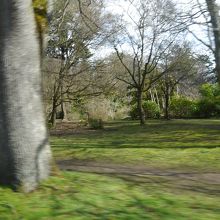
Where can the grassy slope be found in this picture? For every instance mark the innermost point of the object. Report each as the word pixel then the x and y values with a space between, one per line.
pixel 184 144
pixel 85 196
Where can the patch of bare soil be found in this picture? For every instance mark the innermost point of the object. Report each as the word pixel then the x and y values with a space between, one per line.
pixel 203 182
pixel 70 128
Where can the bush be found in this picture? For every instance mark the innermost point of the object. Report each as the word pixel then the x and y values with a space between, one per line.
pixel 151 110
pixel 181 107
pixel 134 112
pixel 96 123
pixel 208 108
pixel 209 104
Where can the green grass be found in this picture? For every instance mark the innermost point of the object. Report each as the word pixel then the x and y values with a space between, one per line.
pixel 177 144
pixel 80 196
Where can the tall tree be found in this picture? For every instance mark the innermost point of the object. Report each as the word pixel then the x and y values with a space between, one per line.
pixel 181 63
pixel 25 152
pixel 214 11
pixel 76 31
pixel 202 20
pixel 148 37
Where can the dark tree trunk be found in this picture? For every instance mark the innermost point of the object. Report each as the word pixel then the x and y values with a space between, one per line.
pixel 167 94
pixel 140 107
pixel 53 115
pixel 213 9
pixel 24 150
pixel 63 110
pixel 166 113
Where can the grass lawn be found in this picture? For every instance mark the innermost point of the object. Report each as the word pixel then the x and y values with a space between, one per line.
pixel 186 145
pixel 175 144
pixel 91 196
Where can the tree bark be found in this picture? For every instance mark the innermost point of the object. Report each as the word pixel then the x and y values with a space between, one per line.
pixel 53 114
pixel 213 9
pixel 166 115
pixel 63 111
pixel 25 152
pixel 140 107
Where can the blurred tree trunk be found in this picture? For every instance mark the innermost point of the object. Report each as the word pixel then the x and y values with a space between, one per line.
pixel 140 107
pixel 52 119
pixel 25 152
pixel 213 9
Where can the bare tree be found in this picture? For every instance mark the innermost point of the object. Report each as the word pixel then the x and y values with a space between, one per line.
pixel 75 31
pixel 148 40
pixel 181 64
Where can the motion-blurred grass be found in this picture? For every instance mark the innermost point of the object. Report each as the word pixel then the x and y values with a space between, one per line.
pixel 91 196
pixel 181 144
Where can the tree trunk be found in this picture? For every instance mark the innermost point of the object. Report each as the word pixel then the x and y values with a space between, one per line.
pixel 140 107
pixel 213 9
pixel 53 115
pixel 25 152
pixel 166 113
pixel 63 110
pixel 167 98
pixel 157 98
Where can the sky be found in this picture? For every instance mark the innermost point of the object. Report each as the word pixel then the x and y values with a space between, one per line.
pixel 120 7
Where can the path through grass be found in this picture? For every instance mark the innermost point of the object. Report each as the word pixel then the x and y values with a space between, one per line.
pixel 176 144
pixel 174 152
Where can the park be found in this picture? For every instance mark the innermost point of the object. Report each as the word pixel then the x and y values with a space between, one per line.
pixel 109 110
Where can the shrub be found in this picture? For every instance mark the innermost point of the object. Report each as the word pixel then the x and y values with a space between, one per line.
pixel 209 104
pixel 96 123
pixel 181 107
pixel 207 108
pixel 134 112
pixel 151 110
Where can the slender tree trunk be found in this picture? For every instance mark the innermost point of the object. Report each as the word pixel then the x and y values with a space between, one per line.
pixel 166 114
pixel 63 110
pixel 213 9
pixel 140 107
pixel 25 152
pixel 53 115
pixel 167 97
pixel 152 95
pixel 157 98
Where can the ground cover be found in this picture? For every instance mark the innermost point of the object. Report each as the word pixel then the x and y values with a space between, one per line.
pixel 164 170
pixel 175 144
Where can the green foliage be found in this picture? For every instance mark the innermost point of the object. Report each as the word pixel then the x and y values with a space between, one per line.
pixel 208 90
pixel 96 123
pixel 151 110
pixel 134 112
pixel 181 107
pixel 207 108
pixel 49 125
pixel 209 104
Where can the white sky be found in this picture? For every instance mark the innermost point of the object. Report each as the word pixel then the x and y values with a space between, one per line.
pixel 120 7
